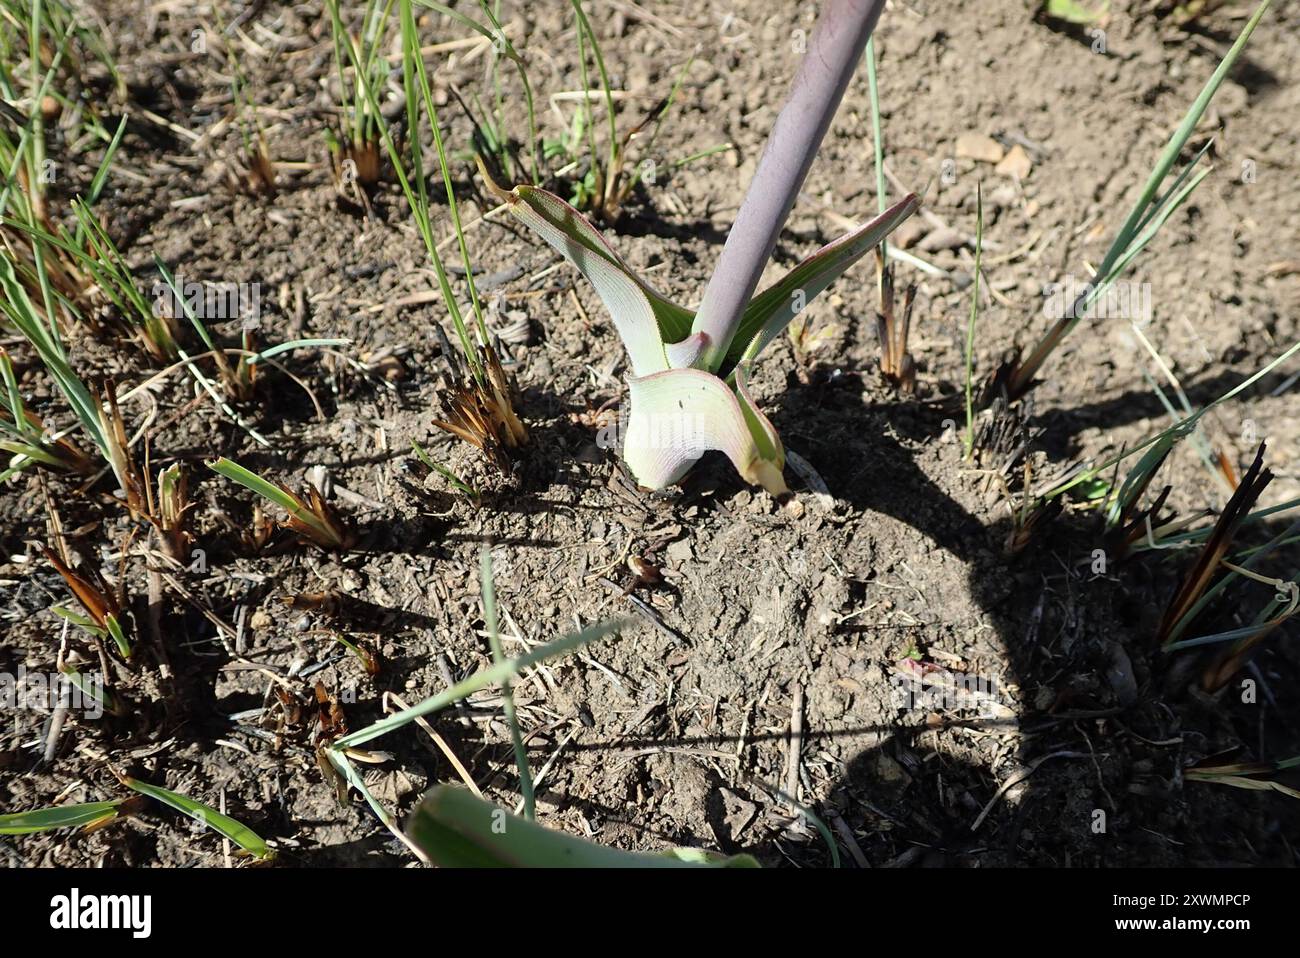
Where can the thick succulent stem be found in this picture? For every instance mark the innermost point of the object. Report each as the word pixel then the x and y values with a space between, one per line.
pixel 833 53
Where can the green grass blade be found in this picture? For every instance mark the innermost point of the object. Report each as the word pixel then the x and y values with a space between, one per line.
pixel 877 136
pixel 344 766
pixel 295 344
pixel 458 830
pixel 507 696
pixel 63 816
pixel 1173 148
pixel 411 46
pixel 1147 215
pixel 970 323
pixel 101 174
pixel 416 196
pixel 205 815
pixel 269 491
pixel 1184 426
pixel 457 483
pixel 493 675
pixel 584 35
pixel 20 310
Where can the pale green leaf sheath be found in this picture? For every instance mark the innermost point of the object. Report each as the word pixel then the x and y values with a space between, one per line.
pixel 680 414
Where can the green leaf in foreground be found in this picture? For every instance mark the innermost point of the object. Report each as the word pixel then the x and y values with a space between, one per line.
pixel 205 815
pixel 63 816
pixel 457 830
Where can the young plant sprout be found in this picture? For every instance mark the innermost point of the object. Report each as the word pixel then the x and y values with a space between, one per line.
pixel 491 140
pixel 253 172
pixel 312 519
pixel 23 434
pixel 104 607
pixel 892 328
pixel 690 369
pixel 605 187
pixel 356 151
pixel 168 506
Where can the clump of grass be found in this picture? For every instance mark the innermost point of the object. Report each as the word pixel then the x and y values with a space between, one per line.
pixel 480 402
pixel 605 186
pixel 600 177
pixel 105 270
pixel 25 436
pixel 311 518
pixel 156 332
pixel 1152 209
pixel 1128 526
pixel 41 332
pixel 355 147
pixel 492 141
pixel 44 36
pixel 1216 548
pixel 103 605
pixel 253 171
pixel 482 415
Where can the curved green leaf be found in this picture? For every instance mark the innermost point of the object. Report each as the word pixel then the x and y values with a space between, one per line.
pixel 458 830
pixel 205 815
pixel 645 319
pixel 771 311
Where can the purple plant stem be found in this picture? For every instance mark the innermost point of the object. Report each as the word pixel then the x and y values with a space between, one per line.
pixel 833 53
